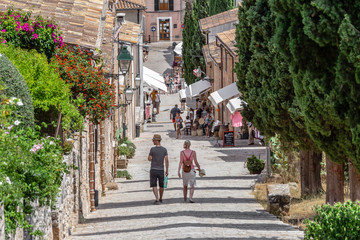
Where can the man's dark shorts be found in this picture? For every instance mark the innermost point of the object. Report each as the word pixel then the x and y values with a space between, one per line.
pixel 156 175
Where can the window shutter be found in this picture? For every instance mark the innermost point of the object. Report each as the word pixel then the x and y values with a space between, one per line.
pixel 171 5
pixel 156 5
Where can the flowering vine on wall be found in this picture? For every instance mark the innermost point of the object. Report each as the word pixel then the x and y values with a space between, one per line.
pixel 75 66
pixel 22 30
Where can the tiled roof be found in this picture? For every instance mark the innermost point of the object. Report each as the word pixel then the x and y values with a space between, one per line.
pixel 212 53
pixel 130 4
pixel 219 19
pixel 227 38
pixel 79 20
pixel 130 32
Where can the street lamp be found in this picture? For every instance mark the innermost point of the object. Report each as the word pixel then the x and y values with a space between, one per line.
pixel 124 59
pixel 137 81
pixel 129 94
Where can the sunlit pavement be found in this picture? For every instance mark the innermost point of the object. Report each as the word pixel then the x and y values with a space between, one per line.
pixel 224 208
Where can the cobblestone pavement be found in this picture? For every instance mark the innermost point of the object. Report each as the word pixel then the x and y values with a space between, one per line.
pixel 224 208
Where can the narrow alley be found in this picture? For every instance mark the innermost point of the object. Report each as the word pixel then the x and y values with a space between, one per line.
pixel 224 208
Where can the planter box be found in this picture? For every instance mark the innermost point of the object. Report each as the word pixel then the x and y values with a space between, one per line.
pixel 255 172
pixel 122 162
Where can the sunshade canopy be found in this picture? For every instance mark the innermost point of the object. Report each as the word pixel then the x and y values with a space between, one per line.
pixel 235 104
pixel 154 79
pixel 223 94
pixel 153 74
pixel 178 49
pixel 197 88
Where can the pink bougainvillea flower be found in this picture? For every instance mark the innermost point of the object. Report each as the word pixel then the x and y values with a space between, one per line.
pixel 4 30
pixel 4 41
pixel 35 36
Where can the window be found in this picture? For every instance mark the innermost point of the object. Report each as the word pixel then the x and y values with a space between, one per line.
pixel 164 5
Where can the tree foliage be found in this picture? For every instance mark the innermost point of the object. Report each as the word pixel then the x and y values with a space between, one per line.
pixel 324 76
pixel 219 6
pixel 193 39
pixel 264 78
pixel 298 70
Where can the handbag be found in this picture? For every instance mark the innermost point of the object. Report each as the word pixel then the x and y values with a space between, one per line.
pixel 181 125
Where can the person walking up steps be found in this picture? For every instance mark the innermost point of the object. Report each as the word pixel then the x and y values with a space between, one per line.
pixel 157 156
pixel 187 159
pixel 173 113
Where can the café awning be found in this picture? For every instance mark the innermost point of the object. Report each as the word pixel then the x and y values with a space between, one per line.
pixel 153 74
pixel 197 88
pixel 235 104
pixel 178 49
pixel 223 94
pixel 154 80
pixel 182 94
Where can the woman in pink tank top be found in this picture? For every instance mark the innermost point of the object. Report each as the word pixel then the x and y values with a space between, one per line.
pixel 189 178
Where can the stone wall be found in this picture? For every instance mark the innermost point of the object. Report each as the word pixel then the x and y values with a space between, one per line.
pixel 73 203
pixel 2 223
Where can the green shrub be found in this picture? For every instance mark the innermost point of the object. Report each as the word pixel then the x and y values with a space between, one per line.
pixel 123 173
pixel 123 150
pixel 31 167
pixel 50 94
pixel 254 164
pixel 15 86
pixel 341 221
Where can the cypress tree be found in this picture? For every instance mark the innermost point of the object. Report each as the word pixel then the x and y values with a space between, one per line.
pixel 324 81
pixel 193 39
pixel 219 6
pixel 188 34
pixel 266 85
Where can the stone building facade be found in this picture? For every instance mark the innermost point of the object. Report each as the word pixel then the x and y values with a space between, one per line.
pixel 164 19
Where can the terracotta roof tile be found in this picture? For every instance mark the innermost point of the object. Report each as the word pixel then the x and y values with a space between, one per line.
pixel 227 38
pixel 130 32
pixel 219 19
pixel 130 4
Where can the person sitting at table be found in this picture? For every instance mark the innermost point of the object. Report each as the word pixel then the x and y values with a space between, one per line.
pixel 208 124
pixel 195 124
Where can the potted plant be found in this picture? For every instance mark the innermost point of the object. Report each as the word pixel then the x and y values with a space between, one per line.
pixel 255 165
pixel 123 174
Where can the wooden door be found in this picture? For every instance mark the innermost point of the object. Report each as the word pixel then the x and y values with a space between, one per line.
pixel 164 30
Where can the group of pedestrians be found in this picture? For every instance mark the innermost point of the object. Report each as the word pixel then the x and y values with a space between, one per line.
pixel 158 157
pixel 172 84
pixel 201 119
